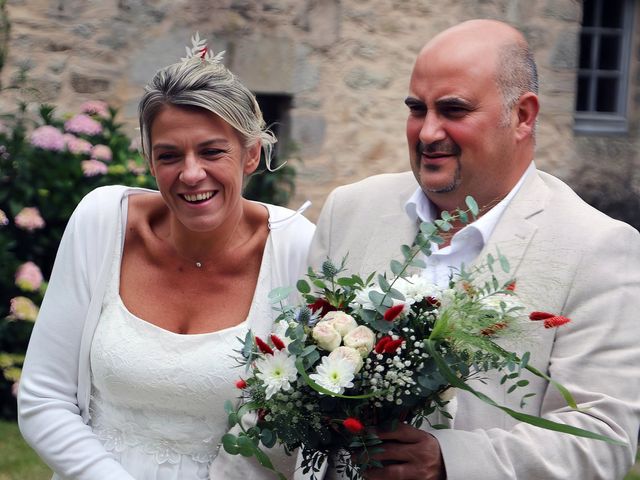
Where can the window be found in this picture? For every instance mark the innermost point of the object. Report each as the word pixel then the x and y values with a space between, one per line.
pixel 603 71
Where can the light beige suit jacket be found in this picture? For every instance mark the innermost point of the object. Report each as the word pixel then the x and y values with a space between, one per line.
pixel 568 259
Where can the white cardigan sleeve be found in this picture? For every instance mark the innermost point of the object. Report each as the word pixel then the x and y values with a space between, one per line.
pixel 50 404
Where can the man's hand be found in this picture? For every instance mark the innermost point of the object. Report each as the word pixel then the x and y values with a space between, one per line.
pixel 413 455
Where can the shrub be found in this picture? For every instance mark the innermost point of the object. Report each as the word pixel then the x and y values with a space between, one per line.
pixel 47 164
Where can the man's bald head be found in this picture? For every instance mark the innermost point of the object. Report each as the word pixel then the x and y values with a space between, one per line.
pixel 492 41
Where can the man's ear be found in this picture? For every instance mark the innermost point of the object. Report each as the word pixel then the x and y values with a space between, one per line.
pixel 527 111
pixel 252 158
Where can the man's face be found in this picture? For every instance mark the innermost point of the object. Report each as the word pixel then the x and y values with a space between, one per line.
pixel 458 142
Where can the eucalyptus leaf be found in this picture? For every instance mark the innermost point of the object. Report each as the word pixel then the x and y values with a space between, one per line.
pixel 383 282
pixel 473 206
pixel 396 267
pixel 279 294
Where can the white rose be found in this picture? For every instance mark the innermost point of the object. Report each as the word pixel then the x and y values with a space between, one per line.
pixel 362 339
pixel 326 336
pixel 341 321
pixel 350 355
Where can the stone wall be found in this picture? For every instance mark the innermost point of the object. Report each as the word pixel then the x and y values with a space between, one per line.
pixel 346 65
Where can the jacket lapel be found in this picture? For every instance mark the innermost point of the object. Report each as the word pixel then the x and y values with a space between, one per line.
pixel 515 230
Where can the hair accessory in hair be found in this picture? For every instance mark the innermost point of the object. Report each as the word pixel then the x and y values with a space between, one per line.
pixel 199 49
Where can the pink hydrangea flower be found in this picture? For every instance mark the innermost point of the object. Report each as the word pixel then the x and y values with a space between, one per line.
pixel 95 107
pixel 29 219
pixel 101 152
pixel 29 277
pixel 3 219
pixel 21 308
pixel 77 145
pixel 83 124
pixel 136 168
pixel 48 138
pixel 91 168
pixel 3 128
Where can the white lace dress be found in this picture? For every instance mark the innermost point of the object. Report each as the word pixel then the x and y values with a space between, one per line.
pixel 157 400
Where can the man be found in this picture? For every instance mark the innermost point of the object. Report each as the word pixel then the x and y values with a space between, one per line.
pixel 471 131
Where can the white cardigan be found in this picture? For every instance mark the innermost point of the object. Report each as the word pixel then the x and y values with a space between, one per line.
pixel 53 400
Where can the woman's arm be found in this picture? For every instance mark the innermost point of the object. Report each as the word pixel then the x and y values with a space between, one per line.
pixel 49 414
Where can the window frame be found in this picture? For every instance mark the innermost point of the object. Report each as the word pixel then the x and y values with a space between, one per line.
pixel 593 122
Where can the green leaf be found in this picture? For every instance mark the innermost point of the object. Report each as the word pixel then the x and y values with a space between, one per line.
pixel 279 294
pixel 230 444
pixel 452 378
pixel 504 263
pixel 393 293
pixel 406 251
pixel 303 286
pixel 473 206
pixel 417 263
pixel 268 438
pixel 246 448
pixel 428 228
pixel 383 282
pixel 443 225
pixel 396 267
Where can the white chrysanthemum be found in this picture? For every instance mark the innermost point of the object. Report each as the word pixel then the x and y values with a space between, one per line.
pixel 447 298
pixel 335 374
pixel 280 329
pixel 362 298
pixel 415 288
pixel 277 371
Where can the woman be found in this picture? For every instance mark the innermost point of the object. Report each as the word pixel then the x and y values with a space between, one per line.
pixel 130 361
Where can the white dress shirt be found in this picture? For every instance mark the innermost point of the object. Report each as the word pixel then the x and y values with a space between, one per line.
pixel 467 243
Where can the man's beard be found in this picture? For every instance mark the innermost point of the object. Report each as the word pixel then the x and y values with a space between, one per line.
pixel 441 147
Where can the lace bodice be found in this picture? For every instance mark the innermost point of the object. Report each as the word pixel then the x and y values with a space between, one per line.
pixel 157 396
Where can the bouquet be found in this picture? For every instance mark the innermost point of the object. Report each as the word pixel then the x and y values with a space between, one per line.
pixel 370 352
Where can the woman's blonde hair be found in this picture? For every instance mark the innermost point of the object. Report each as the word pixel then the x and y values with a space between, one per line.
pixel 211 86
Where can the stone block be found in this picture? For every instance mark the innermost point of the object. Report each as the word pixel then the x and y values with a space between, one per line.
pixel 567 10
pixel 359 78
pixel 85 83
pixel 265 64
pixel 308 133
pixel 564 53
pixel 161 51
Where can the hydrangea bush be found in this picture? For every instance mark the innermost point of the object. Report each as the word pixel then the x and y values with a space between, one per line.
pixel 47 164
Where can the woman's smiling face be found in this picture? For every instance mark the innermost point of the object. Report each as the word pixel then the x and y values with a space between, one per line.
pixel 199 162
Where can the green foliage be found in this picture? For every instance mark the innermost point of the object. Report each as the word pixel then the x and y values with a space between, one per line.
pixel 275 187
pixel 49 178
pixel 18 461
